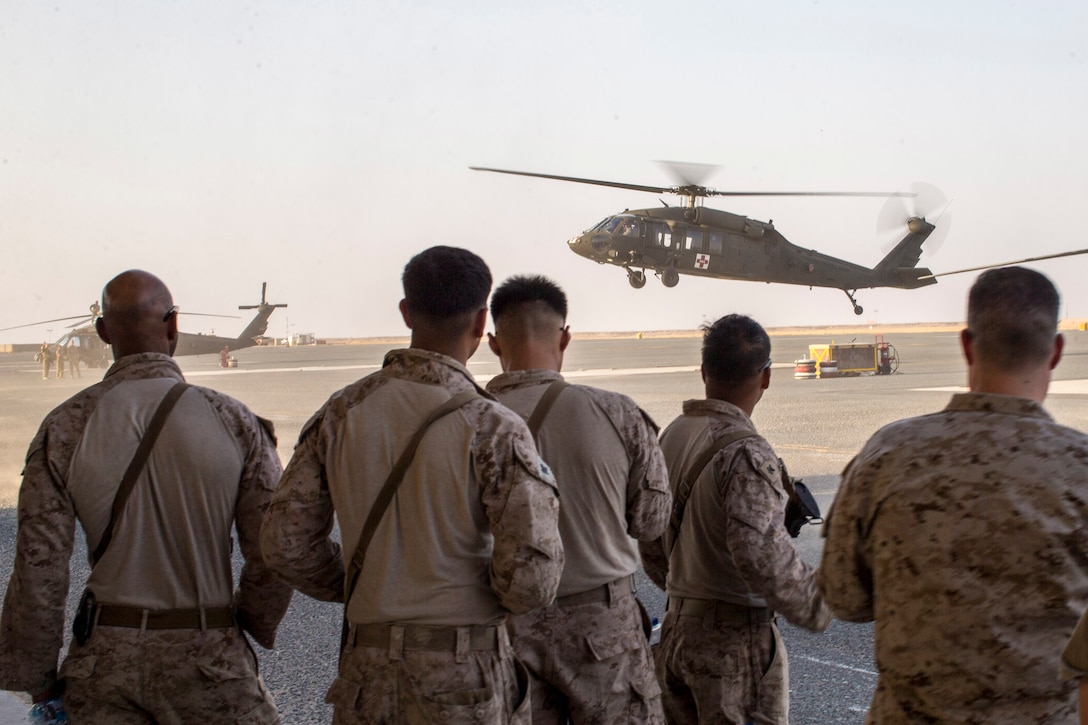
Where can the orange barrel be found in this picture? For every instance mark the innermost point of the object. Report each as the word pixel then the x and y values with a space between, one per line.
pixel 804 369
pixel 829 369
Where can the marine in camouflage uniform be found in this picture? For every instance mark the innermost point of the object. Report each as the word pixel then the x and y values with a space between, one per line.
pixel 964 533
pixel 471 534
pixel 730 568
pixel 588 653
pixel 214 466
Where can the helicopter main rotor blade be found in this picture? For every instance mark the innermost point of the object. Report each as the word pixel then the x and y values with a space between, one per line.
pixel 596 182
pixel 1007 264
pixel 44 322
pixel 713 192
pixel 691 190
pixel 208 314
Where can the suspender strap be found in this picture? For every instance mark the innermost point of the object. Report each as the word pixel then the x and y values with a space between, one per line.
pixel 544 405
pixel 137 465
pixel 392 483
pixel 687 483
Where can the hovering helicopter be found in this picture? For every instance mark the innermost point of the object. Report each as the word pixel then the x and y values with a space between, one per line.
pixel 94 353
pixel 692 239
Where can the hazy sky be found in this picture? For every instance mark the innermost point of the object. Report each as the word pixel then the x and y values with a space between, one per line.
pixel 318 146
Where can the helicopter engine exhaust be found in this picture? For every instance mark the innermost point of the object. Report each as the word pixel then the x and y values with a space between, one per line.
pixel 732 222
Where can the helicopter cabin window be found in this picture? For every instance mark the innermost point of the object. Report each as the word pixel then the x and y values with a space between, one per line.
pixel 662 235
pixel 715 243
pixel 693 240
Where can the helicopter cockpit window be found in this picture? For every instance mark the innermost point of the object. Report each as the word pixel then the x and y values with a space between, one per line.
pixel 628 228
pixel 693 240
pixel 608 225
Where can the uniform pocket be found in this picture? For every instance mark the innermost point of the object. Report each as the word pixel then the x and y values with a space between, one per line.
pixel 223 673
pixel 78 667
pixel 607 646
pixel 344 694
pixel 263 714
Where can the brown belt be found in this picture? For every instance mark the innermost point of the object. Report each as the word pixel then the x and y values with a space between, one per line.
pixel 719 612
pixel 604 594
pixel 197 618
pixel 428 639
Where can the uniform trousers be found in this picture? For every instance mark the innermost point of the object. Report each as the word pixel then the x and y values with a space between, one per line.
pixel 589 662
pixel 410 682
pixel 729 672
pixel 125 676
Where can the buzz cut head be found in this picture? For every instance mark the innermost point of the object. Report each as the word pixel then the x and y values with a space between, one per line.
pixel 446 282
pixel 1012 317
pixel 524 290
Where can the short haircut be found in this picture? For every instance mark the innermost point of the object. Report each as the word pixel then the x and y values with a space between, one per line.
pixel 445 282
pixel 1012 315
pixel 523 289
pixel 735 349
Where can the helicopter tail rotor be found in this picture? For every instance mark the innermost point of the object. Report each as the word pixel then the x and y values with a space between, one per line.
pixel 927 203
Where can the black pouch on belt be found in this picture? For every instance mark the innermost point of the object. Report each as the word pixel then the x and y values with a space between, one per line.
pixel 84 621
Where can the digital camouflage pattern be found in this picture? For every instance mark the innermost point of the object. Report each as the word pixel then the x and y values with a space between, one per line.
pixel 717 672
pixel 964 535
pixel 471 535
pixel 589 662
pixel 423 688
pixel 31 626
pixel 732 547
pixel 592 661
pixel 125 677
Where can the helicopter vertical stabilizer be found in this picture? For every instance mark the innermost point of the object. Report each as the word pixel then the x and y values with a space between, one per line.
pixel 900 267
pixel 259 324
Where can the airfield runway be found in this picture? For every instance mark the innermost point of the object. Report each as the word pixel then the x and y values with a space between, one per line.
pixel 815 425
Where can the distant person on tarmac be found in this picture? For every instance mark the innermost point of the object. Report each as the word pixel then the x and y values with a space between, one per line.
pixel 964 533
pixel 588 653
pixel 726 561
pixel 160 632
pixel 72 353
pixel 45 355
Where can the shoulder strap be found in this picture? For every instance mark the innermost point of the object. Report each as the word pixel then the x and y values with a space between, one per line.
pixel 687 482
pixel 392 483
pixel 137 465
pixel 544 405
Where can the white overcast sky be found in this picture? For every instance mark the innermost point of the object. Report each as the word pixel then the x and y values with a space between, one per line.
pixel 319 145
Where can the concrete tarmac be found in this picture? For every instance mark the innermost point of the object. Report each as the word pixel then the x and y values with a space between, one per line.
pixel 815 425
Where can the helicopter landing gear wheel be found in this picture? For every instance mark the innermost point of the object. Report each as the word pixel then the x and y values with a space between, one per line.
pixel 858 309
pixel 670 277
pixel 636 278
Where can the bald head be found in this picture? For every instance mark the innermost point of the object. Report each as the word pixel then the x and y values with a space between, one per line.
pixel 136 315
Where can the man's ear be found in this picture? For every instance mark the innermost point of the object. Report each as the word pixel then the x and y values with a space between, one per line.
pixel 479 324
pixel 172 328
pixel 493 343
pixel 100 328
pixel 564 338
pixel 702 373
pixel 1059 345
pixel 966 340
pixel 765 379
pixel 405 315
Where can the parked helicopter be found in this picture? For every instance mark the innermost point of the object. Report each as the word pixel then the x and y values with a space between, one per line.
pixel 95 353
pixel 692 239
